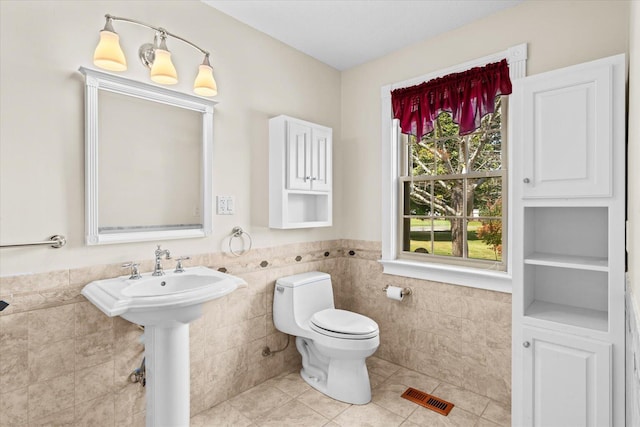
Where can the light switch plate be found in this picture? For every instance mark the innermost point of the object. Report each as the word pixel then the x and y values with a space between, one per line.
pixel 231 205
pixel 225 205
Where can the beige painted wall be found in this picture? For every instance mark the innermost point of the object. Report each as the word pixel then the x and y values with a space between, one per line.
pixel 41 137
pixel 558 33
pixel 633 153
pixel 42 44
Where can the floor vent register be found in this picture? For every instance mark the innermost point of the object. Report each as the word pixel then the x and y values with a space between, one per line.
pixel 428 401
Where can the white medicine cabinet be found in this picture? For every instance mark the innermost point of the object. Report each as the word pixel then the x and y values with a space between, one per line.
pixel 300 170
pixel 569 251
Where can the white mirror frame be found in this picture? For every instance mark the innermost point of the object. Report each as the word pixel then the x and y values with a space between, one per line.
pixel 98 80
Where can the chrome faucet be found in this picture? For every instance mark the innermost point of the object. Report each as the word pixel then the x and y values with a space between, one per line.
pixel 157 270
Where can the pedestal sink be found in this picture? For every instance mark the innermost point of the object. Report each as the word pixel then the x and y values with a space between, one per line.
pixel 164 305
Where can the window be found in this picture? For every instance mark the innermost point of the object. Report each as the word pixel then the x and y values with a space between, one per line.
pixel 453 193
pixel 421 175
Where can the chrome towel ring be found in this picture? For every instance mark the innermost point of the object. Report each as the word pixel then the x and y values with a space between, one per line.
pixel 238 232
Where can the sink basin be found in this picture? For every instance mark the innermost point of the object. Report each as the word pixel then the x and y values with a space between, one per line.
pixel 158 299
pixel 164 305
pixel 163 285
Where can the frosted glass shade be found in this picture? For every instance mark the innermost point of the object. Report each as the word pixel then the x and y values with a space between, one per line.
pixel 162 70
pixel 108 54
pixel 205 85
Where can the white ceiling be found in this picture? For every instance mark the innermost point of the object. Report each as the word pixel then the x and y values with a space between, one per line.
pixel 346 33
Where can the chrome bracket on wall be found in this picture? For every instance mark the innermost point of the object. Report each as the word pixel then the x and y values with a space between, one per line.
pixel 139 375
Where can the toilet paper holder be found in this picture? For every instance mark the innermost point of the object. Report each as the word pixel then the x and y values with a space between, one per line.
pixel 404 293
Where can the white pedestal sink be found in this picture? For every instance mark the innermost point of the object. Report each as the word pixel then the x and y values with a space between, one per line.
pixel 164 305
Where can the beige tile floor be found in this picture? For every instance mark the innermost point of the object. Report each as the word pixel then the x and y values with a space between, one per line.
pixel 288 401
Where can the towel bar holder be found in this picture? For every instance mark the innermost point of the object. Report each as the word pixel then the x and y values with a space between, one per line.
pixel 56 241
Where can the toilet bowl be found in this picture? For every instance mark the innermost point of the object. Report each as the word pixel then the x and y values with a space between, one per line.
pixel 334 343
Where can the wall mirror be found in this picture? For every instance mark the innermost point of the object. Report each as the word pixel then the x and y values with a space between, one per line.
pixel 147 161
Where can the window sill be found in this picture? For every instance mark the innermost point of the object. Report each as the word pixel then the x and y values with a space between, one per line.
pixel 499 281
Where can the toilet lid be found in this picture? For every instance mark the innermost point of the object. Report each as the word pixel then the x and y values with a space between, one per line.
pixel 343 324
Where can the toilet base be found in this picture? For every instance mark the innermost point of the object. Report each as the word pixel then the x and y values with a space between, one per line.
pixel 346 380
pixel 353 386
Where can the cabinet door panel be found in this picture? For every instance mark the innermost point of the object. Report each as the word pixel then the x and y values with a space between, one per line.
pixel 566 380
pixel 567 131
pixel 298 156
pixel 321 160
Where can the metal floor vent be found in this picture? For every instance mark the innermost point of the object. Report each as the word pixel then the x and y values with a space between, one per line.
pixel 428 401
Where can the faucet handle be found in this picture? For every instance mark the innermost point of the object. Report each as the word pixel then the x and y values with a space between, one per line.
pixel 160 252
pixel 179 267
pixel 135 274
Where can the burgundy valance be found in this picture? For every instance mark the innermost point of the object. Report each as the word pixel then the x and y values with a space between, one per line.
pixel 468 96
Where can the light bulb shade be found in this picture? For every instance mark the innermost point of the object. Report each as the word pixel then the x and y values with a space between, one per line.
pixel 108 54
pixel 205 85
pixel 162 70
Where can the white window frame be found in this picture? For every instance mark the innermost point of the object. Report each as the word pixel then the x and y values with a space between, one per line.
pixel 391 157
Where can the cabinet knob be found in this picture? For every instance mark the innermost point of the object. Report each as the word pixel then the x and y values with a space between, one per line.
pixel 526 180
pixel 526 344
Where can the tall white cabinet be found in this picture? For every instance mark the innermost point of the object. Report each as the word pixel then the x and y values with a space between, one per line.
pixel 568 209
pixel 300 171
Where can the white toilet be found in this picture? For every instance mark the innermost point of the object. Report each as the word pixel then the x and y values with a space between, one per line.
pixel 333 343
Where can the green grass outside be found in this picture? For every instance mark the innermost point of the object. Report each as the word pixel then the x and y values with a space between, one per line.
pixel 442 240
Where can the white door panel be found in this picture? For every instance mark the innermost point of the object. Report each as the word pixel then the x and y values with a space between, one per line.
pixel 298 154
pixel 566 380
pixel 566 133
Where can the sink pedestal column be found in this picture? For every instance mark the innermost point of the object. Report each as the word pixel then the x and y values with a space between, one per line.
pixel 166 350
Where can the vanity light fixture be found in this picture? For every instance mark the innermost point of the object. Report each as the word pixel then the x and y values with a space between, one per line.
pixel 156 56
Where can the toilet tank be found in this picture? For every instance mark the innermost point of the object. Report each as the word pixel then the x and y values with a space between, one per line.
pixel 296 298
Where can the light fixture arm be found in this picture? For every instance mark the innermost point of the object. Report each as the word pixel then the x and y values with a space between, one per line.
pixel 157 29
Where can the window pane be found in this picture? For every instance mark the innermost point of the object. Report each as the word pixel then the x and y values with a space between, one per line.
pixel 446 145
pixel 448 195
pixel 448 156
pixel 485 144
pixel 445 126
pixel 447 236
pixel 485 235
pixel 485 154
pixel 423 158
pixel 421 235
pixel 485 239
pixel 419 197
pixel 487 196
pixel 406 234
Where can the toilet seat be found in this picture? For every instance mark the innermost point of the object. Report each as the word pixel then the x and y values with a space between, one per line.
pixel 343 324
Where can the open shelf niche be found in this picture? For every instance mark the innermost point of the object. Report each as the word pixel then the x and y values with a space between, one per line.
pixel 566 268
